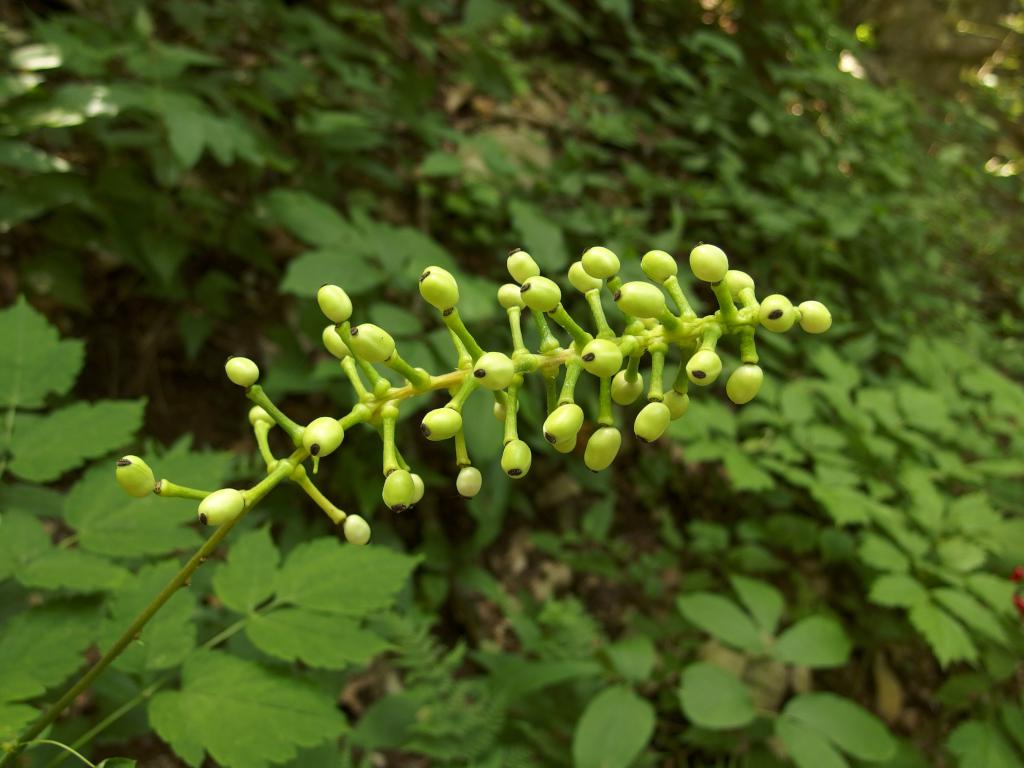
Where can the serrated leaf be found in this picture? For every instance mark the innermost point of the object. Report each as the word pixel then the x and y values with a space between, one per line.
pixel 712 698
pixel 40 647
pixel 807 747
pixel 310 219
pixel 22 537
pixel 947 638
pixel 71 569
pixel 325 575
pixel 971 612
pixel 847 725
pixel 244 715
pixel 247 578
pixel 721 618
pixel 815 642
pixel 614 728
pixel 328 641
pixel 343 266
pixel 14 718
pixel 764 601
pixel 979 744
pixel 34 360
pixel 45 447
pixel 897 590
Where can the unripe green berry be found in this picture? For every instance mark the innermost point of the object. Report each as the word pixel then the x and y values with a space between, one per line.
pixel 814 317
pixel 600 262
pixel 703 368
pixel 709 263
pixel 221 507
pixel 371 342
pixel 441 424
pixel 651 422
pixel 357 530
pixel 134 476
pixel 640 299
pixel 499 411
pixel 334 343
pixel 509 296
pixel 334 303
pixel 602 448
pixel 399 490
pixel 736 281
pixel 625 392
pixel 678 403
pixel 659 266
pixel 744 383
pixel 418 488
pixel 322 436
pixel 565 446
pixel 494 370
pixel 601 357
pixel 242 371
pixel 580 279
pixel 468 482
pixel 776 313
pixel 516 458
pixel 541 294
pixel 563 423
pixel 521 266
pixel 439 288
pixel 257 415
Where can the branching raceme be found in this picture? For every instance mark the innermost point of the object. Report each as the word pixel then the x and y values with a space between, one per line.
pixel 653 325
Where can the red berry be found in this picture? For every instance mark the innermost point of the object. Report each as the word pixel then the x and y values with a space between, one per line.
pixel 1018 600
pixel 1017 574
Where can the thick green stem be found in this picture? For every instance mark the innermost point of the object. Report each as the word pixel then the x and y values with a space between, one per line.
pixel 258 396
pixel 171 490
pixel 454 322
pixel 579 336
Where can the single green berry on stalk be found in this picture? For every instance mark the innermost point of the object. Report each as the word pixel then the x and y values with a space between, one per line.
pixel 509 296
pixel 640 299
pixel 744 383
pixel 581 280
pixel 709 263
pixel 601 357
pixel 258 415
pixel 134 476
pixel 494 370
pixel 357 530
pixel 678 403
pixel 563 423
pixel 399 490
pixel 814 317
pixel 600 262
pixel 651 422
pixel 703 368
pixel 242 371
pixel 441 424
pixel 469 482
pixel 334 343
pixel 521 265
pixel 777 313
pixel 625 392
pixel 439 288
pixel 659 266
pixel 371 342
pixel 334 303
pixel 499 411
pixel 418 488
pixel 221 506
pixel 516 458
pixel 541 294
pixel 736 281
pixel 602 448
pixel 322 436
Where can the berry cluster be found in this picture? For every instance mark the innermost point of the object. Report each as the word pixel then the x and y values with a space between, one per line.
pixel 651 328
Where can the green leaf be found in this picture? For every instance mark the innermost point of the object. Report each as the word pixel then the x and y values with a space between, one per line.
pixel 45 447
pixel 764 601
pixel 881 554
pixel 816 642
pixel 34 361
pixel 960 554
pixel 541 236
pixel 14 718
pixel 633 657
pixel 247 578
pixel 849 726
pixel 242 714
pixel 316 639
pixel 186 133
pixel 971 612
pixel 721 618
pixel 897 590
pixel 979 744
pixel 613 730
pixel 71 569
pixel 310 219
pixel 41 647
pixel 807 747
pixel 342 266
pixel 712 698
pixel 22 537
pixel 325 575
pixel 944 634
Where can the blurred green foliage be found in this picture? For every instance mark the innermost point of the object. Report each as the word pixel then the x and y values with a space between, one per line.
pixel 815 579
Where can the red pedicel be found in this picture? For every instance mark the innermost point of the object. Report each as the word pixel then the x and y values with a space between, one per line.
pixel 1017 574
pixel 1018 600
